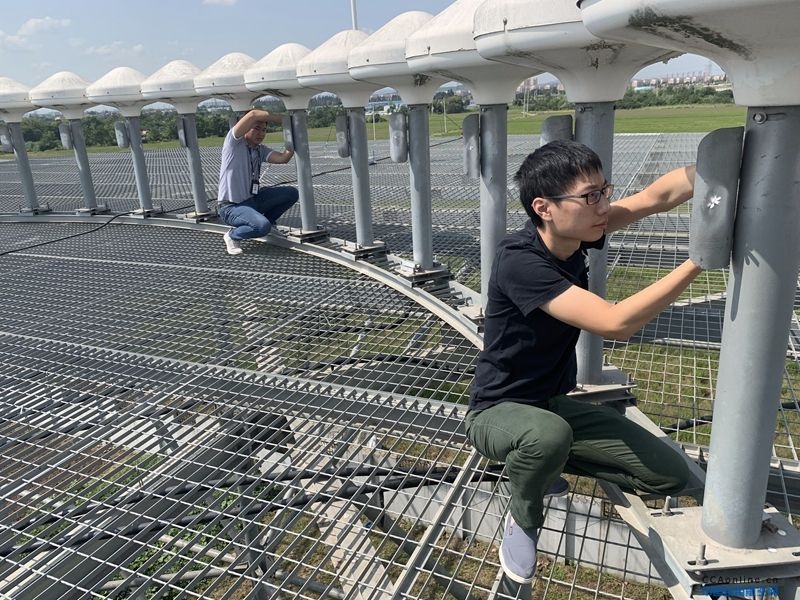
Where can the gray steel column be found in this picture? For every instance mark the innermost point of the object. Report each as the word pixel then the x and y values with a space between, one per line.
pixel 758 312
pixel 420 169
pixel 195 167
pixel 359 159
pixel 594 126
pixel 494 171
pixel 18 142
pixel 79 147
pixel 139 166
pixel 302 157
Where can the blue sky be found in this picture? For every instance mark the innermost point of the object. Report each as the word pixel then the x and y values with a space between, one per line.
pixel 90 37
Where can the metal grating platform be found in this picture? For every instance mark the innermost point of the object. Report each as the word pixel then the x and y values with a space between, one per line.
pixel 309 445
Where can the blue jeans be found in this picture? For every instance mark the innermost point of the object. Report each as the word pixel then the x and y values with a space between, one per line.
pixel 255 216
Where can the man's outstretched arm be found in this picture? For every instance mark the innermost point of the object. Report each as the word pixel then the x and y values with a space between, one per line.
pixel 585 310
pixel 665 193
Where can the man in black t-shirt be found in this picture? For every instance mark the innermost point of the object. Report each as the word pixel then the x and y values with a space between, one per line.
pixel 538 302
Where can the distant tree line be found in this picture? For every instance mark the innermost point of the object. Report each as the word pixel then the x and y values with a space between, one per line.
pixel 157 125
pixel 664 96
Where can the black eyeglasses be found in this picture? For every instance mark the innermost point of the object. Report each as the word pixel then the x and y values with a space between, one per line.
pixel 592 197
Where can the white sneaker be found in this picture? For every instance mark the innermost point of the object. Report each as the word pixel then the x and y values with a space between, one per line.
pixel 231 245
pixel 518 552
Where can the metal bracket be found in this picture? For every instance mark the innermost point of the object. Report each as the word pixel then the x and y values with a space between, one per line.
pixel 606 393
pixel 420 277
pixel 377 250
pixel 474 312
pixel 309 236
pixel 144 213
pixel 100 209
pixel 198 217
pixel 41 209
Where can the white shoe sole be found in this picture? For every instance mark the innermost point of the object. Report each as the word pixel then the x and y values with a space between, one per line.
pixel 510 574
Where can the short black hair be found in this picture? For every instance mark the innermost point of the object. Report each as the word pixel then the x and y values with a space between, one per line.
pixel 551 170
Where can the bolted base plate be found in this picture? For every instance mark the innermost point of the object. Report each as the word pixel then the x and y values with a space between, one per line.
pixel 143 213
pixel 419 276
pixel 100 209
pixel 308 236
pixel 377 249
pixel 41 209
pixel 778 544
pixel 198 217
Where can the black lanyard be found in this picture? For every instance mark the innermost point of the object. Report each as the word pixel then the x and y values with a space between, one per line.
pixel 254 163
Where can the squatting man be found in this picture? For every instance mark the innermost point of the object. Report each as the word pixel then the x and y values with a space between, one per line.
pixel 252 210
pixel 538 302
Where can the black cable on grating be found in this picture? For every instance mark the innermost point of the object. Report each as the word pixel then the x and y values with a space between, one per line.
pixel 67 237
pixel 399 481
pixel 708 419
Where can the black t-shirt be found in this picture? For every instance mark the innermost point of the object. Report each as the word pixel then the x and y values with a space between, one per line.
pixel 528 355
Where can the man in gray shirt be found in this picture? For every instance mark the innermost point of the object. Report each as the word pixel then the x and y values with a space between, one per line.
pixel 249 208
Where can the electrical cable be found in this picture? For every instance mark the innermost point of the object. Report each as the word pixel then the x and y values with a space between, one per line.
pixel 708 419
pixel 68 237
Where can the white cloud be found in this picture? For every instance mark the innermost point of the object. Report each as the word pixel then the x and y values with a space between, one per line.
pixel 220 2
pixel 36 25
pixel 116 50
pixel 21 40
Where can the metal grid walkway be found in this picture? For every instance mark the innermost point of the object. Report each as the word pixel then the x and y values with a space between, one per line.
pixel 154 442
pixel 156 446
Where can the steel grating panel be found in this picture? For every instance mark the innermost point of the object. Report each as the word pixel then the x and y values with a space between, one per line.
pixel 285 314
pixel 94 344
pixel 137 461
pixel 126 473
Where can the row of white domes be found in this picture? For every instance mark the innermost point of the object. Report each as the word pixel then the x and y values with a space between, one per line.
pixel 490 45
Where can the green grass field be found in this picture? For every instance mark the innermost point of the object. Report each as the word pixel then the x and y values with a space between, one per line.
pixel 672 119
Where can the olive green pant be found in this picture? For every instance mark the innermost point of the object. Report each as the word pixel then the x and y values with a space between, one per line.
pixel 537 444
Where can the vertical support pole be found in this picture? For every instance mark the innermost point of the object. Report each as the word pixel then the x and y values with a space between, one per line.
pixel 195 167
pixel 359 159
pixel 79 148
pixel 29 191
pixel 139 165
pixel 594 126
pixel 493 186
pixel 420 169
pixel 353 14
pixel 302 157
pixel 758 311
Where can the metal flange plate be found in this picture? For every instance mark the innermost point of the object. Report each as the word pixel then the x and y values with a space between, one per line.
pixel 682 535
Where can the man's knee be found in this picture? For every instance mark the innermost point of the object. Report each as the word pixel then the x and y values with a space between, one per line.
pixel 674 477
pixel 261 226
pixel 555 441
pixel 548 445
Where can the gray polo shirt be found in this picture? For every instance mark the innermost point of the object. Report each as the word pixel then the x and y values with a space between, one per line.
pixel 240 166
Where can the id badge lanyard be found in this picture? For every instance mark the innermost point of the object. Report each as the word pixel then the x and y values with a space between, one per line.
pixel 254 169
